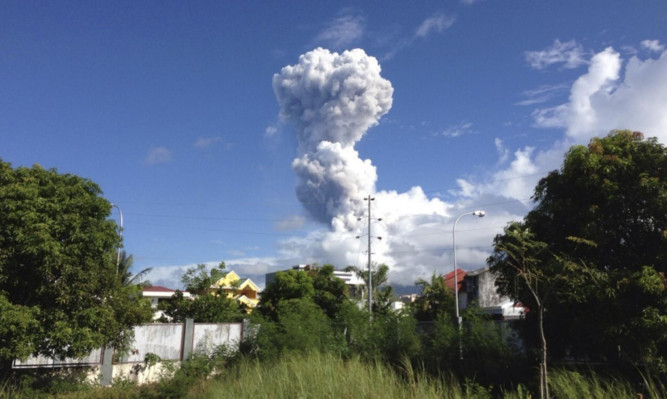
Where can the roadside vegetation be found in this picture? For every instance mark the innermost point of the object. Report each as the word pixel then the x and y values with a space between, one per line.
pixel 327 375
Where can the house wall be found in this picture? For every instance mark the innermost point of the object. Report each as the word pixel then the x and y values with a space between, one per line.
pixel 487 294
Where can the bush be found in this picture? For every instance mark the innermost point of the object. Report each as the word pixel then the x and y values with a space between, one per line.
pixel 301 326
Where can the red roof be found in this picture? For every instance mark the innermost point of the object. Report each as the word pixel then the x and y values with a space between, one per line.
pixel 449 279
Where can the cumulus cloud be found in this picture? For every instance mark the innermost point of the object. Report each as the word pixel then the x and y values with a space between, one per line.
pixel 332 100
pixel 503 152
pixel 342 31
pixel 607 97
pixel 158 155
pixel 570 54
pixel 434 24
pixel 653 45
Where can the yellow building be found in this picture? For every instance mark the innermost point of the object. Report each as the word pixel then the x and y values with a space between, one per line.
pixel 241 290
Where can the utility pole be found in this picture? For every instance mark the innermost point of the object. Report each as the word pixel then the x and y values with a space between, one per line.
pixel 370 274
pixel 369 282
pixel 120 234
pixel 370 271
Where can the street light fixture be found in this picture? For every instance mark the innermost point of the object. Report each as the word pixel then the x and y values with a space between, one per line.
pixel 459 320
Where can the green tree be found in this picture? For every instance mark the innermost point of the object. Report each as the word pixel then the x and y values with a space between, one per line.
pixel 205 308
pixel 197 280
pixel 124 270
pixel 299 325
pixel 382 294
pixel 210 305
pixel 528 271
pixel 330 292
pixel 436 298
pixel 60 294
pixel 291 284
pixel 317 284
pixel 605 211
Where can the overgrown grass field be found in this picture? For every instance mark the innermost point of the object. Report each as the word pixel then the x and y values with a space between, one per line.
pixel 323 375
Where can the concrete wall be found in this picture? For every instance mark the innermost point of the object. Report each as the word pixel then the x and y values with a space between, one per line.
pixel 163 340
pixel 172 343
pixel 208 337
pixel 94 358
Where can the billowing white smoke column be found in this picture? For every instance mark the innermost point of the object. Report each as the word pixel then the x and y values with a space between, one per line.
pixel 332 100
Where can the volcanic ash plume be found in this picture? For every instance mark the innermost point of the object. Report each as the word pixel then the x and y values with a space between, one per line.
pixel 332 100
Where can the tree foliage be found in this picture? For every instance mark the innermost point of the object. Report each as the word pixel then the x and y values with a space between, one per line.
pixel 209 305
pixel 528 271
pixel 318 284
pixel 198 280
pixel 205 308
pixel 604 214
pixel 60 294
pixel 125 263
pixel 382 294
pixel 435 299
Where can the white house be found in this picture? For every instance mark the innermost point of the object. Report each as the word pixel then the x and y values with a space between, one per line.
pixel 157 294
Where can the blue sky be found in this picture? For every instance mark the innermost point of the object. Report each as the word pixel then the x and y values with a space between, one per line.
pixel 172 108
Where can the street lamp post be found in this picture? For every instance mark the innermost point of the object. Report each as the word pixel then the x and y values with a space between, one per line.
pixel 120 233
pixel 456 276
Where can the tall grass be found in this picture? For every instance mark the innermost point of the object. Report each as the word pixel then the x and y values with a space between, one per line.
pixel 322 375
pixel 571 385
pixel 326 375
pixel 567 384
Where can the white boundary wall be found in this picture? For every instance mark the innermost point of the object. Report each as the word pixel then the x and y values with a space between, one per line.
pixel 163 340
pixel 208 337
pixel 170 342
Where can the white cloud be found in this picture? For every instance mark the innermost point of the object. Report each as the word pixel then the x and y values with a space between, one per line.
pixel 292 222
pixel 435 24
pixel 542 94
pixel 607 98
pixel 206 142
pixel 653 45
pixel 503 153
pixel 467 189
pixel 158 155
pixel 270 131
pixel 342 32
pixel 604 98
pixel 570 54
pixel 458 130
